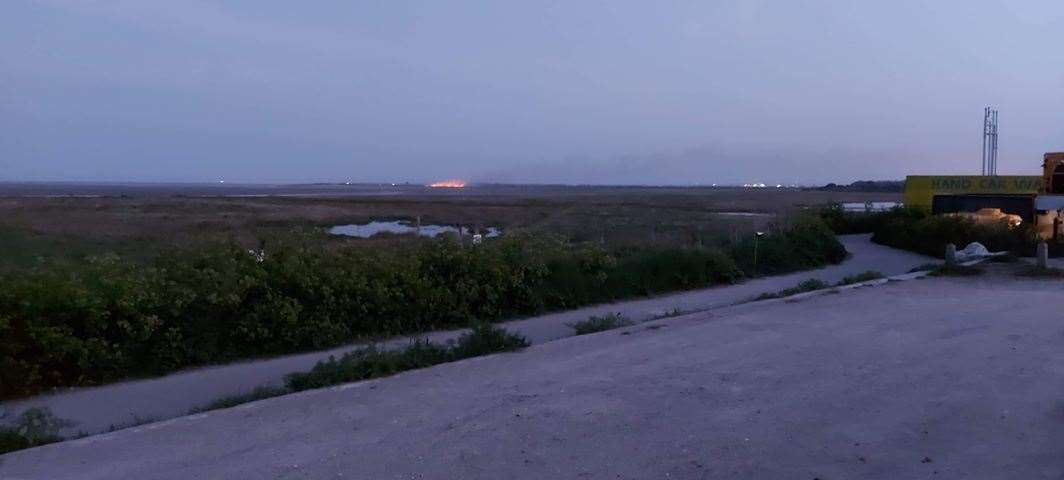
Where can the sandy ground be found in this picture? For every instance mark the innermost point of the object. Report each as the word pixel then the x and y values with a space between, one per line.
pixel 932 378
pixel 96 410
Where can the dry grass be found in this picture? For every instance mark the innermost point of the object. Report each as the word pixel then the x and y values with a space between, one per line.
pixel 140 224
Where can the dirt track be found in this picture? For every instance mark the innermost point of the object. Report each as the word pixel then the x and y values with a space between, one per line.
pixel 938 378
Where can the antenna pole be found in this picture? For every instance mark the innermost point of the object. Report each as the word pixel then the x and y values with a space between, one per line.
pixel 990 141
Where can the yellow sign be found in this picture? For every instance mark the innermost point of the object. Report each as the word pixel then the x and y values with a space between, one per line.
pixel 921 189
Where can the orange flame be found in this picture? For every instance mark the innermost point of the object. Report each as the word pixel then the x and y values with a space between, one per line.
pixel 449 184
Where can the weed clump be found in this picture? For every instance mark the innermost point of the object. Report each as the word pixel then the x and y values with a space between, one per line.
pixel 373 362
pixel 956 270
pixel 860 277
pixel 259 393
pixel 805 286
pixel 600 323
pixel 32 428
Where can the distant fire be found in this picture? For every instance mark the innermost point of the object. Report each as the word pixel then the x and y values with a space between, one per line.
pixel 449 184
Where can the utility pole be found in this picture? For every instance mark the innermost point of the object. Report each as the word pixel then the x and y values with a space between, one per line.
pixel 990 141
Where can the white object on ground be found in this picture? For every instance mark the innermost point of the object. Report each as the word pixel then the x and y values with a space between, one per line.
pixel 973 251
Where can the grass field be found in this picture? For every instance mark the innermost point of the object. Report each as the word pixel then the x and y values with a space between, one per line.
pixel 138 222
pixel 98 289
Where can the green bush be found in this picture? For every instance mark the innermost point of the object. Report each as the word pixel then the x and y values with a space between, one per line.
pixel 916 230
pixel 844 223
pixel 929 235
pixel 806 244
pixel 109 319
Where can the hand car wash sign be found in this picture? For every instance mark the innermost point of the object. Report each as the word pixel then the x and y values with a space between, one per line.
pixel 921 189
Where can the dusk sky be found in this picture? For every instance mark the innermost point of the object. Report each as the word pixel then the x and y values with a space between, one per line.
pixel 572 91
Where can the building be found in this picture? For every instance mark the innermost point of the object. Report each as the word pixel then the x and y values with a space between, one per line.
pixel 1020 198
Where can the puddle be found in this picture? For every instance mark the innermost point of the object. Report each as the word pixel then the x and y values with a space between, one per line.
pixel 869 206
pixel 401 227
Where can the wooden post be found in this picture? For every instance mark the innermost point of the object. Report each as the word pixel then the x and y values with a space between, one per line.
pixel 1042 255
pixel 951 254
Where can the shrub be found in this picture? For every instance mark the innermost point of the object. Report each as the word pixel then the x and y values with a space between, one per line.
pixel 108 319
pixel 929 234
pixel 806 244
pixel 600 323
pixel 485 339
pixel 844 223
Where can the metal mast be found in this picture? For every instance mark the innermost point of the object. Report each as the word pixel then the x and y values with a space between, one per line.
pixel 990 141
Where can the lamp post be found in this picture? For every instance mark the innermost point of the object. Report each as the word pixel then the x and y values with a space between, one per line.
pixel 757 236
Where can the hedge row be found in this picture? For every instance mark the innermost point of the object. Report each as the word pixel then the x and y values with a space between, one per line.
pixel 918 231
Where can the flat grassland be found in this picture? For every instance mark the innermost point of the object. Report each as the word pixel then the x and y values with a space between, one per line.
pixel 71 221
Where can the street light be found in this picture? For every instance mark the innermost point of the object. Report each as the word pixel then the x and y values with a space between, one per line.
pixel 757 236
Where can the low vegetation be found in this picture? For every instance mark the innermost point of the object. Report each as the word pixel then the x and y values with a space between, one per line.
pixel 860 277
pixel 956 270
pixel 918 231
pixel 36 427
pixel 805 286
pixel 259 393
pixel 600 323
pixel 813 284
pixel 108 318
pixel 32 428
pixel 373 362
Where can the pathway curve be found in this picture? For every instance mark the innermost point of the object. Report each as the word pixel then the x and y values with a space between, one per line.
pixel 936 378
pixel 99 409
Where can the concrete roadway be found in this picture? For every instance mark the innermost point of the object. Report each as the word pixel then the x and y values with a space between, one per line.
pixel 97 409
pixel 930 378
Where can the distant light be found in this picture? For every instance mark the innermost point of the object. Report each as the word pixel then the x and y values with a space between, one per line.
pixel 221 181
pixel 449 184
pixel 779 186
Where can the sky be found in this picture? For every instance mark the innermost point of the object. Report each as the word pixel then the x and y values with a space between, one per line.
pixel 536 91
